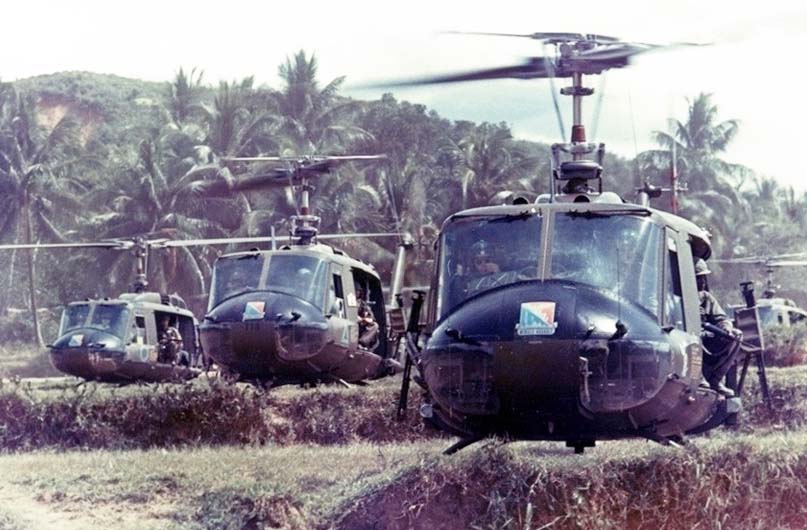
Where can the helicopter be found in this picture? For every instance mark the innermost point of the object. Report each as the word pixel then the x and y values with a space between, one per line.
pixel 774 310
pixel 119 339
pixel 291 315
pixel 571 318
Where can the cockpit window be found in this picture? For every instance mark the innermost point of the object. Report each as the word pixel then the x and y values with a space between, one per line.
pixel 235 274
pixel 480 253
pixel 302 276
pixel 619 253
pixel 113 319
pixel 74 317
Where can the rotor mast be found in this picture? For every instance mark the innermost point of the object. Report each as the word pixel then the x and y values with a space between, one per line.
pixel 571 177
pixel 304 226
pixel 578 92
pixel 141 254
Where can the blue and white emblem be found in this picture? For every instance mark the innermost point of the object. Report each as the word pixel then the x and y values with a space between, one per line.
pixel 255 310
pixel 537 318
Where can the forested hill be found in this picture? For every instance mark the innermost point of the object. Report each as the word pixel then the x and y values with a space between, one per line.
pixel 89 156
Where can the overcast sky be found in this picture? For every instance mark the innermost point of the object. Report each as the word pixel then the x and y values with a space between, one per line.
pixel 755 68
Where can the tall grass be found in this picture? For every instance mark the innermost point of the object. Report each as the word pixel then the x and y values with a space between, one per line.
pixel 208 412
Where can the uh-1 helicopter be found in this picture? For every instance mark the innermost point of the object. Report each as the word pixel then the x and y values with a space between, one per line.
pixel 126 338
pixel 774 310
pixel 574 318
pixel 292 314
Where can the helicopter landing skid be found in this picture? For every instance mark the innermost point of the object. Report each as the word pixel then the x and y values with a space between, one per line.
pixel 463 443
pixel 726 408
pixel 670 441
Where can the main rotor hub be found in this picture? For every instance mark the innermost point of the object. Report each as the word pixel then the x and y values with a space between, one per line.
pixel 305 227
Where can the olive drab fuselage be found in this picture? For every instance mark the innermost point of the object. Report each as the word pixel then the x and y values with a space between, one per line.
pixel 290 316
pixel 117 340
pixel 588 330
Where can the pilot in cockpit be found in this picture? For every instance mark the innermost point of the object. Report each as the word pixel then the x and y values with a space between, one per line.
pixel 483 262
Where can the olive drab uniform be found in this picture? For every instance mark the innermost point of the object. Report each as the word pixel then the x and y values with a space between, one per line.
pixel 170 345
pixel 720 352
pixel 368 327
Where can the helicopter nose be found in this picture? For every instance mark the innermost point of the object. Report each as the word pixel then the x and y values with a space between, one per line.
pixel 257 332
pixel 87 353
pixel 550 347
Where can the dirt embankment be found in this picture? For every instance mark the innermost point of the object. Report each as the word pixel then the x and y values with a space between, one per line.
pixel 748 485
pixel 51 108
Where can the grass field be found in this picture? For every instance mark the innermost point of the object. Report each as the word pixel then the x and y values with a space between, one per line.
pixel 724 481
pixel 207 455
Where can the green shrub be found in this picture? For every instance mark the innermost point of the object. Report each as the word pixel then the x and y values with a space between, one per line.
pixel 786 345
pixel 197 414
pixel 172 415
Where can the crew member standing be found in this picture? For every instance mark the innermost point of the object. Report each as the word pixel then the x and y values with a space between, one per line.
pixel 720 353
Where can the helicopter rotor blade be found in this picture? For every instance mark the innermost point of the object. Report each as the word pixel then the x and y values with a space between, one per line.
pixel 761 260
pixel 303 160
pixel 533 67
pixel 293 169
pixel 34 246
pixel 787 263
pixel 213 241
pixel 579 54
pixel 551 37
pixel 327 237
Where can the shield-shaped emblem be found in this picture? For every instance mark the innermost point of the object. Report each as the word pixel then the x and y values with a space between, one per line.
pixel 254 310
pixel 537 318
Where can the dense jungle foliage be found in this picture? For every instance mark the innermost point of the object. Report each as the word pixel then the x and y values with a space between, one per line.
pixel 86 156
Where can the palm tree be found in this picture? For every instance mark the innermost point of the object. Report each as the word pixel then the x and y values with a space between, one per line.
pixel 146 200
pixel 313 118
pixel 486 161
pixel 238 123
pixel 36 187
pixel 183 95
pixel 713 199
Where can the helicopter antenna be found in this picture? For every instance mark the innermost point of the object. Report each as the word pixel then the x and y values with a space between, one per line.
pixel 674 186
pixel 595 121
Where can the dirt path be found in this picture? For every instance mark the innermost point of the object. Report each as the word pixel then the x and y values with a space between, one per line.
pixel 27 513
pixel 24 511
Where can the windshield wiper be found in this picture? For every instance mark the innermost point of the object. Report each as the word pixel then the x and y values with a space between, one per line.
pixel 591 214
pixel 509 218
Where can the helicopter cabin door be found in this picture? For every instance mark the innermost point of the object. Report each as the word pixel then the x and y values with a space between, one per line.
pixel 151 327
pixel 369 294
pixel 339 310
pixel 187 329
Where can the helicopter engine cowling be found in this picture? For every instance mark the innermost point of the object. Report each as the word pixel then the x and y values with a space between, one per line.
pixel 252 334
pixel 595 353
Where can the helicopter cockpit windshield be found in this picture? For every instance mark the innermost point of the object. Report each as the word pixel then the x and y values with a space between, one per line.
pixel 617 251
pixel 74 317
pixel 621 253
pixel 294 274
pixel 302 276
pixel 111 318
pixel 480 253
pixel 233 275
